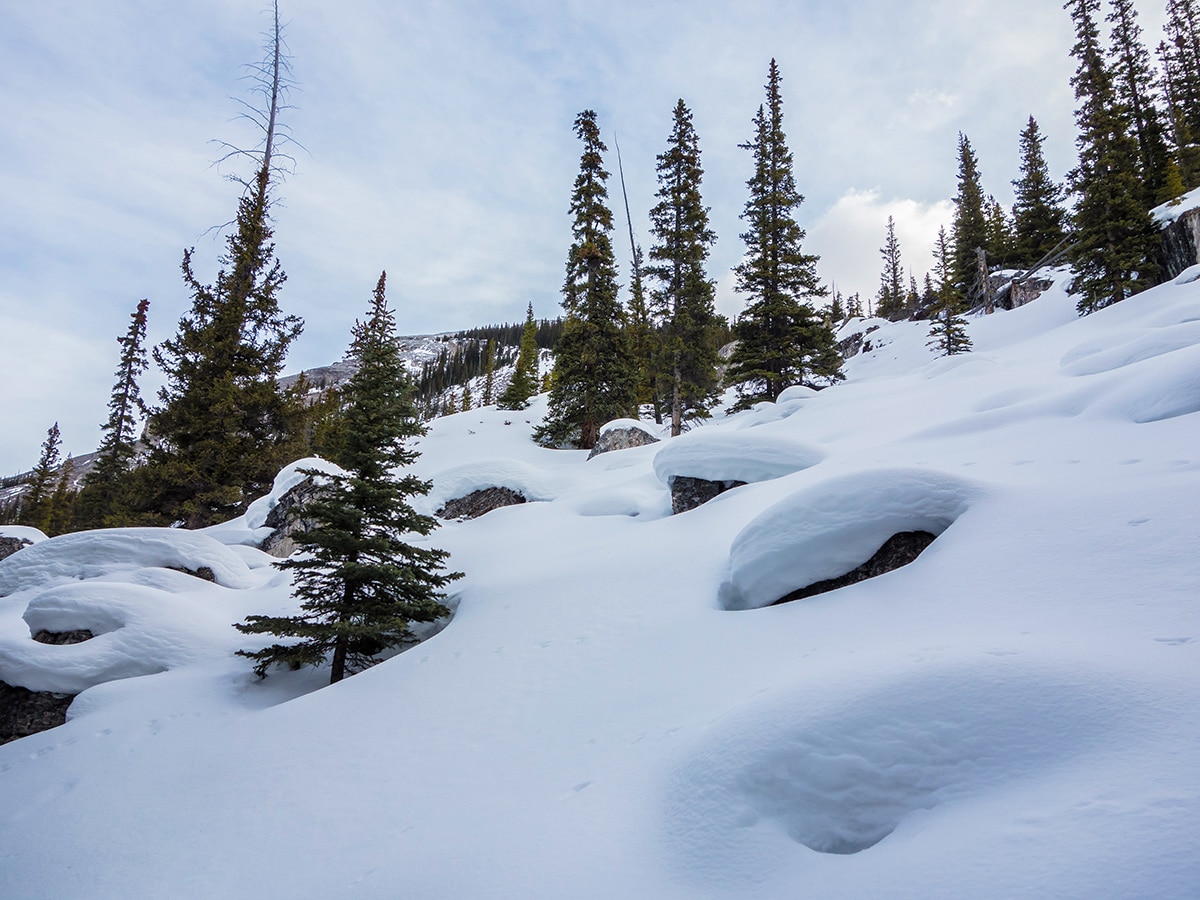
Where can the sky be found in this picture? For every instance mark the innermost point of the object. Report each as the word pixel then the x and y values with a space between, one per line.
pixel 434 140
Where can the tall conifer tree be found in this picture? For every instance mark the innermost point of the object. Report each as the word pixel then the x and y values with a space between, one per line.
pixel 684 301
pixel 360 581
pixel 889 303
pixel 1133 78
pixel 781 339
pixel 595 376
pixel 1038 213
pixel 223 427
pixel 104 500
pixel 970 223
pixel 1117 241
pixel 35 504
pixel 643 339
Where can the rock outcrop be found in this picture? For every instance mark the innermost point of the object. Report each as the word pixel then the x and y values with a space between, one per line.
pixel 477 503
pixel 687 493
pixel 622 438
pixel 285 518
pixel 898 550
pixel 1180 245
pixel 10 545
pixel 24 712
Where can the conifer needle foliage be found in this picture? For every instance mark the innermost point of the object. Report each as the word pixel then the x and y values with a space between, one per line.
pixel 360 581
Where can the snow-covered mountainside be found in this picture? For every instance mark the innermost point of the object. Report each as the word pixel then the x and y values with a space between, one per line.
pixel 616 710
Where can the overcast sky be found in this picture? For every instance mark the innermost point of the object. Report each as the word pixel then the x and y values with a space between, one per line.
pixel 437 144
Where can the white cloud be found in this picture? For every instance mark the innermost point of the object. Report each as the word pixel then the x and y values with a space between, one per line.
pixel 848 237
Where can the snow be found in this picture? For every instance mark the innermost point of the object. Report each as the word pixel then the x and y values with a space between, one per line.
pixel 22 532
pixel 1171 210
pixel 1015 714
pixel 716 455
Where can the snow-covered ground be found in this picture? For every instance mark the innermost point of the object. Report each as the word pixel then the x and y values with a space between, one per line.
pixel 615 713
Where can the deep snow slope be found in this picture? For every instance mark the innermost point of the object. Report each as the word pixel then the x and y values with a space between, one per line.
pixel 617 711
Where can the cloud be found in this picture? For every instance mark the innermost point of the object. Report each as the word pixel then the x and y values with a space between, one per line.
pixel 848 237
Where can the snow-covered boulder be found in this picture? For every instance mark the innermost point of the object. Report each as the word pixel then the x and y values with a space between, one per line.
pixel 14 537
pixel 701 464
pixel 87 554
pixel 622 434
pixel 827 530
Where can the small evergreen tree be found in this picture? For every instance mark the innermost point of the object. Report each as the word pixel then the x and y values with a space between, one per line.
pixel 684 302
pixel 360 582
pixel 595 374
pixel 999 231
pixel 524 381
pixel 489 373
pixel 889 302
pixel 35 505
pixel 970 224
pixel 59 515
pixel 1117 240
pixel 948 330
pixel 104 500
pixel 781 339
pixel 1038 213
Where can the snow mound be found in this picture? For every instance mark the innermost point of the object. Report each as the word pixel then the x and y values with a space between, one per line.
pixel 749 456
pixel 23 533
pixel 531 482
pixel 839 775
pixel 829 529
pixel 87 554
pixel 1099 356
pixel 139 631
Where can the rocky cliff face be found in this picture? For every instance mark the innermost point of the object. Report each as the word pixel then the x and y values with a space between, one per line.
pixel 1180 244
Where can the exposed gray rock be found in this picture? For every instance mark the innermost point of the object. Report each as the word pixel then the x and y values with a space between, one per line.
pixel 285 518
pixel 687 493
pixel 477 503
pixel 24 712
pixel 851 345
pixel 10 545
pixel 1027 291
pixel 1180 244
pixel 622 439
pixel 63 637
pixel 898 550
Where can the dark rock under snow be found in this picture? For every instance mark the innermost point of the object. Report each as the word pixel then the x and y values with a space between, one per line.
pixel 477 503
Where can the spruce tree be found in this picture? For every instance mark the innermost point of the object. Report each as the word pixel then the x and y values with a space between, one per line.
pixel 1133 77
pixel 999 231
pixel 59 514
pixel 1117 241
pixel 1038 213
pixel 223 427
pixel 360 582
pixel 781 339
pixel 948 329
pixel 1180 58
pixel 683 304
pixel 35 504
pixel 889 302
pixel 524 381
pixel 104 500
pixel 489 372
pixel 643 338
pixel 595 374
pixel 970 223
